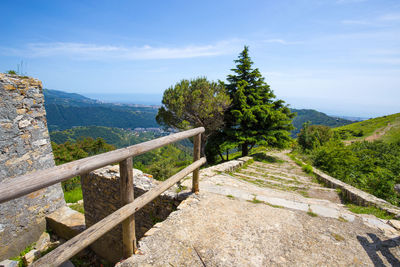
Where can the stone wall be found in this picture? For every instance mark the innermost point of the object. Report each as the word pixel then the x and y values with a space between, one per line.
pixel 24 147
pixel 356 195
pixel 101 197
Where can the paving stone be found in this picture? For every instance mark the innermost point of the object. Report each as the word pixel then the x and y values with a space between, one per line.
pixel 8 263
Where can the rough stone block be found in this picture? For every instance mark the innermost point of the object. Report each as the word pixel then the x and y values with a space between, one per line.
pixel 31 256
pixel 22 220
pixel 66 222
pixel 43 242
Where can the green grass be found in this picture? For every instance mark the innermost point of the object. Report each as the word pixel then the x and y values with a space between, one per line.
pixel 262 157
pixel 274 206
pixel 369 210
pixel 307 169
pixel 312 214
pixel 78 207
pixel 74 195
pixel 368 127
pixel 19 258
pixel 180 188
pixel 337 237
pixel 230 196
pixel 303 193
pixel 342 219
pixel 297 161
pixel 255 200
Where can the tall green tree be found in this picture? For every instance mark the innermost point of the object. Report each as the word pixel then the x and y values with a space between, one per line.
pixel 255 116
pixel 194 103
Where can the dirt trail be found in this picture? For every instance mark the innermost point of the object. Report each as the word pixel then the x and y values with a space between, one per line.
pixel 377 134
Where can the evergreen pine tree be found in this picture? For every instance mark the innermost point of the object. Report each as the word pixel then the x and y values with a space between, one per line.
pixel 255 116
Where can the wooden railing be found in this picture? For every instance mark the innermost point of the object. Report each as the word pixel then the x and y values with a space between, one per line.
pixel 29 183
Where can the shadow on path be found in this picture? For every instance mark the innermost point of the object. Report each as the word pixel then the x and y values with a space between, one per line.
pixel 378 245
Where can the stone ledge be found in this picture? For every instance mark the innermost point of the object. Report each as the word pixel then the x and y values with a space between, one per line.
pixel 228 166
pixel 356 195
pixel 66 222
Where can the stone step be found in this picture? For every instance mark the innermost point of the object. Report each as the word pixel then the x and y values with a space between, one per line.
pixel 280 172
pixel 322 208
pixel 268 177
pixel 289 186
pixel 275 176
pixel 267 183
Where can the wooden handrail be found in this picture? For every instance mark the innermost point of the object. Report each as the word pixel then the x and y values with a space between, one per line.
pixel 25 184
pixel 84 239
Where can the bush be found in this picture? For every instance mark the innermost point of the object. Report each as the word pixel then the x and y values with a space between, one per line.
pixel 371 166
pixel 314 136
pixel 11 72
pixel 307 168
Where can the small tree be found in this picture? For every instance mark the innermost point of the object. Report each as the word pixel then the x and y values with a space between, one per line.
pixel 255 117
pixel 314 136
pixel 194 103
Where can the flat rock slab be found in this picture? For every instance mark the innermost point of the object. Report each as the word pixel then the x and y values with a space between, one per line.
pixel 66 222
pixel 219 231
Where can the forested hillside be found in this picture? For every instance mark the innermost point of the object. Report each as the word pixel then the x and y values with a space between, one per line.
pixel 114 136
pixel 66 110
pixel 315 118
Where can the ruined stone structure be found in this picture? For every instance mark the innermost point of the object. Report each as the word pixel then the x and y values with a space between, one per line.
pixel 102 196
pixel 24 147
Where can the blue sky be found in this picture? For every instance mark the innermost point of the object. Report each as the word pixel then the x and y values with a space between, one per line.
pixel 338 56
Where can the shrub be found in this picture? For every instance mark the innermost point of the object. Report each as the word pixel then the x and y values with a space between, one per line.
pixel 314 136
pixel 307 168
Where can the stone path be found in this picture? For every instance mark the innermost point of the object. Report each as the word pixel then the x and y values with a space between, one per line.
pixel 266 214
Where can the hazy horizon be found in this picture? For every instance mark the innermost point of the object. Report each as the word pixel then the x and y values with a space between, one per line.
pixel 155 99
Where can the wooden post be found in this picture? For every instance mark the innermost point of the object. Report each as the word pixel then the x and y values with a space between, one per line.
pixel 127 191
pixel 74 245
pixel 196 157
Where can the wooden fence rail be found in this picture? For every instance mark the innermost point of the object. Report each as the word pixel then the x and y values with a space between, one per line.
pixel 25 184
pixel 29 183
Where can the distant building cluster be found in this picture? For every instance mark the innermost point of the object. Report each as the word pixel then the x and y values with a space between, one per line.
pixel 155 130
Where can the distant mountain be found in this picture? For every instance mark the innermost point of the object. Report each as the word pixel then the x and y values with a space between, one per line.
pixel 315 117
pixel 67 110
pixel 55 97
pixel 350 118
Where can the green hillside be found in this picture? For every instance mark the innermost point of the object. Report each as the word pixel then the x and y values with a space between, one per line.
pixel 315 118
pixel 113 136
pixel 67 110
pixel 386 128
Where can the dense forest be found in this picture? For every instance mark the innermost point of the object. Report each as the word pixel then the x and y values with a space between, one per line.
pixel 114 136
pixel 66 110
pixel 315 118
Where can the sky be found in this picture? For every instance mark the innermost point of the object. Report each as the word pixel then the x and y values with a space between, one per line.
pixel 341 57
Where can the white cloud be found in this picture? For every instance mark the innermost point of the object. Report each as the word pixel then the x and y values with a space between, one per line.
pixel 390 17
pixel 349 1
pixel 108 52
pixel 356 22
pixel 281 41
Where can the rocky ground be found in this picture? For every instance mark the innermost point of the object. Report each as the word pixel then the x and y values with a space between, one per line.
pixel 267 214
